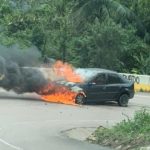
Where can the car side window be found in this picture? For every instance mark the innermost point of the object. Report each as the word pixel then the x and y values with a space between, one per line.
pixel 114 79
pixel 100 79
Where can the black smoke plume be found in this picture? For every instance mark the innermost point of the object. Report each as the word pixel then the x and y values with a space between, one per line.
pixel 18 70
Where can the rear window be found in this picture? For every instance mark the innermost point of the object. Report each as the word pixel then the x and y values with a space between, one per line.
pixel 114 79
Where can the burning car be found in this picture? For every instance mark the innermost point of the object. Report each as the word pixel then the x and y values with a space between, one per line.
pixel 96 85
pixel 103 85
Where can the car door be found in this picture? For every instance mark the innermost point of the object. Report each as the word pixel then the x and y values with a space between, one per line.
pixel 96 88
pixel 113 87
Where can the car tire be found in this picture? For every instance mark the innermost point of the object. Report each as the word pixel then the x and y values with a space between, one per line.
pixel 80 99
pixel 123 100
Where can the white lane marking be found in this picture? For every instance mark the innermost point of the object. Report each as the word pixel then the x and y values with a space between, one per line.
pixel 10 145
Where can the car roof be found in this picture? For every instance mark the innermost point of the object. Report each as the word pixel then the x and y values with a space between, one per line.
pixel 94 70
pixel 88 73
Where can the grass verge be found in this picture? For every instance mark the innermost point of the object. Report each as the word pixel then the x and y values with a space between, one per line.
pixel 128 134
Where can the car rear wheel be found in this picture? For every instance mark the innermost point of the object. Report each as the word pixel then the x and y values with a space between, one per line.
pixel 123 100
pixel 80 99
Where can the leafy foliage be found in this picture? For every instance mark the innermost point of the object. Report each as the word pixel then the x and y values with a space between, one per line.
pixel 112 34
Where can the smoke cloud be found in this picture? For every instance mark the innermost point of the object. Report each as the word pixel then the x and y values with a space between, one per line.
pixel 17 72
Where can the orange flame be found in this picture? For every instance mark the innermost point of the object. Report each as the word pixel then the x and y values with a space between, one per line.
pixel 59 93
pixel 66 71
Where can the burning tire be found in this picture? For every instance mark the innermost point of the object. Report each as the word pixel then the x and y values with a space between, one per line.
pixel 80 99
pixel 123 100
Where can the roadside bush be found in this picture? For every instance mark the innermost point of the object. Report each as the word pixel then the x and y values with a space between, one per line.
pixel 128 134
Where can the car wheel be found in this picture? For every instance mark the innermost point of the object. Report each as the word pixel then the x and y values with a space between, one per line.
pixel 80 99
pixel 123 100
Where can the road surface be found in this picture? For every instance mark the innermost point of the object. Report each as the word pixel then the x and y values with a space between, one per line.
pixel 27 123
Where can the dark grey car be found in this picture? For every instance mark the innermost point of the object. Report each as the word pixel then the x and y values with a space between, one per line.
pixel 105 85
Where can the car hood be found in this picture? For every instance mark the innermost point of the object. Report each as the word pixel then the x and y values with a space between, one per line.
pixel 75 87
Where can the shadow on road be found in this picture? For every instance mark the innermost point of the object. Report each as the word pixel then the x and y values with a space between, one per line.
pixel 32 98
pixel 103 103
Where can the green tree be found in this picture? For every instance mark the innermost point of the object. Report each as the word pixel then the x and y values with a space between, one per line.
pixel 88 10
pixel 86 33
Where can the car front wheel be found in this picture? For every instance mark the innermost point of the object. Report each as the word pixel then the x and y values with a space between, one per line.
pixel 123 100
pixel 80 99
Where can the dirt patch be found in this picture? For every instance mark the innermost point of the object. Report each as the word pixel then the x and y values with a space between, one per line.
pixel 79 133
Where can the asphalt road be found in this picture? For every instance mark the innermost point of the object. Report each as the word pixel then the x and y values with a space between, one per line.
pixel 27 123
